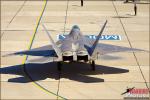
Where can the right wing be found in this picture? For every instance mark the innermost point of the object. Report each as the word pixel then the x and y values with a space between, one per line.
pixel 108 48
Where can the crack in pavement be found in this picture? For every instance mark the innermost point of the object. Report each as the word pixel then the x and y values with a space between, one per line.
pixel 138 64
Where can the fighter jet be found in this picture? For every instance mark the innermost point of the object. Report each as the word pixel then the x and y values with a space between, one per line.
pixel 75 47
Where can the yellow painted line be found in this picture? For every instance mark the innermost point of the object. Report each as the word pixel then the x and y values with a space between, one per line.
pixel 35 30
pixel 29 47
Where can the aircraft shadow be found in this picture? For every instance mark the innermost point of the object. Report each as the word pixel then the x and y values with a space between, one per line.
pixel 75 71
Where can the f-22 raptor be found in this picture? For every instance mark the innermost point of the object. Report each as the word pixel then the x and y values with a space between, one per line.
pixel 75 47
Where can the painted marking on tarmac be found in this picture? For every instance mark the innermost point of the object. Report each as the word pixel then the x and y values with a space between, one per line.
pixel 13 17
pixel 93 37
pixel 26 57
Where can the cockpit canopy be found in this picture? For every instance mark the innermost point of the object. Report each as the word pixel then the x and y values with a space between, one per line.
pixel 75 27
pixel 75 32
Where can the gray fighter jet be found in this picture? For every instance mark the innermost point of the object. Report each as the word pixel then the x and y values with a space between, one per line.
pixel 75 47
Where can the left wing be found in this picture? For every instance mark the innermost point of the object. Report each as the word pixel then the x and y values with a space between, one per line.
pixel 56 48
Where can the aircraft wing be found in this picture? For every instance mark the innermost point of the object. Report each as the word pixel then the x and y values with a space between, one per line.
pixel 103 49
pixel 46 50
pixel 108 48
pixel 39 55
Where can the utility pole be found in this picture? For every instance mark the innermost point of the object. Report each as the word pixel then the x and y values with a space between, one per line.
pixel 81 2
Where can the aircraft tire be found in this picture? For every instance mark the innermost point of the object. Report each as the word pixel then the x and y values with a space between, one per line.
pixel 93 65
pixel 59 66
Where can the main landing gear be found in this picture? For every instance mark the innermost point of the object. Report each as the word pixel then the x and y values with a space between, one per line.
pixel 92 65
pixel 59 66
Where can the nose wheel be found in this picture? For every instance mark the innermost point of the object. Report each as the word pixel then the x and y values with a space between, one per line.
pixel 93 65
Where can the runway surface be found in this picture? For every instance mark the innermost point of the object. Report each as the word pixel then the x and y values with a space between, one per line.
pixel 21 29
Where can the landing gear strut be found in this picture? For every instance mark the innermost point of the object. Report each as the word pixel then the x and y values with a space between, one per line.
pixel 81 2
pixel 59 66
pixel 93 65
